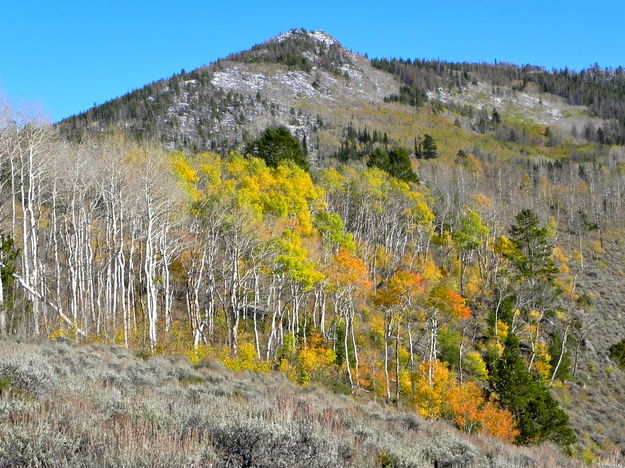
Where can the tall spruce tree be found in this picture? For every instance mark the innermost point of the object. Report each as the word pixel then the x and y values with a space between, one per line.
pixel 537 413
pixel 532 256
pixel 428 147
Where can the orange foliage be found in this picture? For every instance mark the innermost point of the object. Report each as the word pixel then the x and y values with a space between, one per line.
pixel 348 270
pixel 464 404
pixel 458 306
pixel 498 422
pixel 450 302
pixel 470 410
pixel 437 394
pixel 402 285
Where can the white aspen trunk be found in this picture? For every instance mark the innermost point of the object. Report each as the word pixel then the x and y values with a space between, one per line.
pixel 386 359
pixel 347 363
pixel 277 307
pixel 352 314
pixel 148 269
pixel 432 347
pixel 234 303
pixel 256 307
pixel 195 282
pixel 397 363
pixel 40 297
pixel 166 250
pixel 562 351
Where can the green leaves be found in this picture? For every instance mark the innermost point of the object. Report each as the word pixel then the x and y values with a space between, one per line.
pixel 472 232
pixel 331 228
pixel 8 255
pixel 617 352
pixel 293 261
pixel 277 146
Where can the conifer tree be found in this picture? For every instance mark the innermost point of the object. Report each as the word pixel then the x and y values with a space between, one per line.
pixel 276 145
pixel 428 147
pixel 538 416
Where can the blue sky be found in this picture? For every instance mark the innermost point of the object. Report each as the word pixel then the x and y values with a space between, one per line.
pixel 66 55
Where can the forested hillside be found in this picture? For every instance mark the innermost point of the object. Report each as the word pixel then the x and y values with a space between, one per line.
pixel 416 248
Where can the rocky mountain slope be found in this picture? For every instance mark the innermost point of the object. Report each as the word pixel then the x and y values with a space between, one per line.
pixel 296 79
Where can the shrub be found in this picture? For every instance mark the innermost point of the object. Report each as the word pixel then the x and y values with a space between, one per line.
pixel 617 353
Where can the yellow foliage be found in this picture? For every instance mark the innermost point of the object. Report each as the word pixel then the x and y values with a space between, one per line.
pixel 186 175
pixel 422 214
pixel 246 359
pixel 502 330
pixel 505 247
pixel 482 202
pixel 285 367
pixel 430 271
pixel 552 227
pixel 495 349
pixel 63 331
pixel 474 284
pixel 376 325
pixel 476 365
pixel 596 247
pixel 431 383
pixel 578 256
pixel 315 359
pixel 559 256
pixel 197 355
pixel 405 381
pixel 541 361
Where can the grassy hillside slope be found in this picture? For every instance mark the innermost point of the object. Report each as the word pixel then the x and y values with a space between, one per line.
pixel 65 405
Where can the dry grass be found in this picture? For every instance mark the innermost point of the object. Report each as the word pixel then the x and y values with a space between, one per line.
pixel 67 405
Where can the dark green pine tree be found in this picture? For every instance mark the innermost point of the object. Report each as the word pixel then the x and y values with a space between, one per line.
pixel 276 146
pixel 496 117
pixel 617 353
pixel 532 257
pixel 396 162
pixel 400 166
pixel 428 147
pixel 538 416
pixel 379 158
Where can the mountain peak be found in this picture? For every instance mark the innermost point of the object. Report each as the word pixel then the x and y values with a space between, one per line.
pixel 299 49
pixel 319 36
